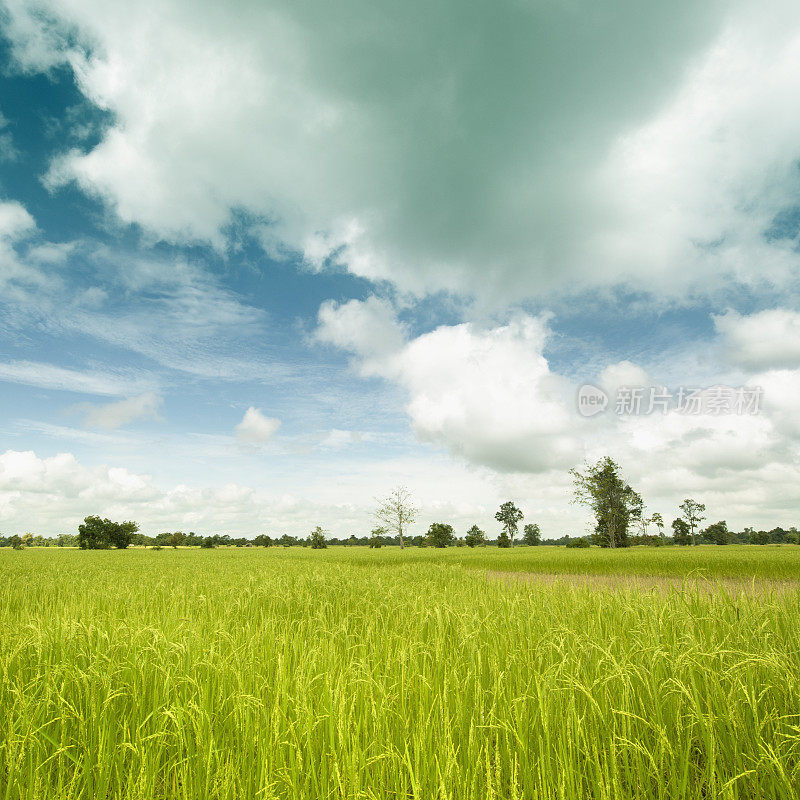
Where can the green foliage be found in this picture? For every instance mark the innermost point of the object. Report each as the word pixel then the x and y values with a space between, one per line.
pixel 275 674
pixel 16 542
pixel 102 534
pixel 177 539
pixel 475 537
pixel 532 534
pixel 509 516
pixel 717 533
pixel 581 543
pixel 317 539
pixel 680 532
pixel 441 535
pixel 208 543
pixel 376 536
pixel 693 515
pixel 613 502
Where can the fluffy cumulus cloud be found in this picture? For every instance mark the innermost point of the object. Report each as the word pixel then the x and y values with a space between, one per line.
pixel 255 427
pixel 518 147
pixel 769 338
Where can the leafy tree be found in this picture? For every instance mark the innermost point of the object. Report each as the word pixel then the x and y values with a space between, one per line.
pixel 509 515
pixel 503 539
pixel 614 503
pixel 208 543
pixel 680 532
pixel 532 534
pixel 287 541
pixel 658 521
pixel 761 537
pixel 581 543
pixel 15 541
pixel 441 535
pixel 475 537
pixel 102 534
pixel 262 540
pixel 317 539
pixel 692 512
pixel 376 537
pixel 177 539
pixel 352 540
pixel 27 540
pixel 396 513
pixel 717 533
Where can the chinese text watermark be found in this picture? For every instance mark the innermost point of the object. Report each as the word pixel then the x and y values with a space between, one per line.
pixel 644 400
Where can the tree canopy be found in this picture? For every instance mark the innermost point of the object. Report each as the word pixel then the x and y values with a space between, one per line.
pixel 103 534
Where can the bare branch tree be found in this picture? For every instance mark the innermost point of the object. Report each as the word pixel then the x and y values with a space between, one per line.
pixel 396 512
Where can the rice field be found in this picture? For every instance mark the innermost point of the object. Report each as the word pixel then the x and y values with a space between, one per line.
pixel 291 673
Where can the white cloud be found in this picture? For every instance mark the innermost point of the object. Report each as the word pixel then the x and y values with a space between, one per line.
pixel 623 374
pixel 50 376
pixel 658 157
pixel 255 428
pixel 369 328
pixel 485 394
pixel 121 412
pixel 762 340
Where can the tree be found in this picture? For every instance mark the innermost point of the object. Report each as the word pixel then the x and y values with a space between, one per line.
pixel 509 515
pixel 658 521
pixel 15 541
pixel 717 533
pixel 761 537
pixel 208 543
pixel 262 540
pixel 376 537
pixel 532 534
pixel 27 540
pixel 693 514
pixel 396 512
pixel 441 535
pixel 317 539
pixel 503 539
pixel 287 541
pixel 581 542
pixel 475 537
pixel 680 532
pixel 102 534
pixel 602 488
pixel 177 539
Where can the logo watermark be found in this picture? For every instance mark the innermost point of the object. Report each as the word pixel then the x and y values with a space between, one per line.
pixel 632 401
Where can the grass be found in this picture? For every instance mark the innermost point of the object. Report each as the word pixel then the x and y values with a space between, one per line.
pixel 379 674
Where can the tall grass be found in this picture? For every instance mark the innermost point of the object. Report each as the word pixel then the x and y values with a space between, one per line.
pixel 303 674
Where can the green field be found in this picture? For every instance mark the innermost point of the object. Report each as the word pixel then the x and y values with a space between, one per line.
pixel 291 673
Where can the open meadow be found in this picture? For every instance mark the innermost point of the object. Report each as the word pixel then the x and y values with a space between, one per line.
pixel 356 673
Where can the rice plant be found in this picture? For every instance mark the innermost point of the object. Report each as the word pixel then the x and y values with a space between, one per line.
pixel 374 674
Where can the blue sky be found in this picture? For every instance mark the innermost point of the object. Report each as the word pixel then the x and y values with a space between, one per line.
pixel 260 265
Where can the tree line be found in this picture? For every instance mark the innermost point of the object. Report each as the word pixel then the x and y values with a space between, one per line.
pixel 620 519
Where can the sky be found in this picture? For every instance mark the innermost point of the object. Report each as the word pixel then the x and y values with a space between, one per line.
pixel 261 262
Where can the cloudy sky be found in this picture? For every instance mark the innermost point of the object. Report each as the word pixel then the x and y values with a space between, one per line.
pixel 261 262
